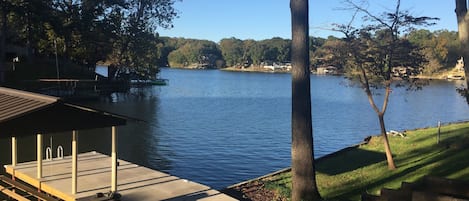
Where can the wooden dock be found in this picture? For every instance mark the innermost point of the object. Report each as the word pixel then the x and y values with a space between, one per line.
pixel 134 182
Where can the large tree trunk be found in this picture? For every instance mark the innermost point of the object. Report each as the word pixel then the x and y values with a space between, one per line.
pixel 462 17
pixel 303 171
pixel 463 32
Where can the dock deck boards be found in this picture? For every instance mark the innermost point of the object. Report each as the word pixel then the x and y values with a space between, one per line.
pixel 94 176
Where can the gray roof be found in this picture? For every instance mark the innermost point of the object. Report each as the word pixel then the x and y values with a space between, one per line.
pixel 26 113
pixel 14 103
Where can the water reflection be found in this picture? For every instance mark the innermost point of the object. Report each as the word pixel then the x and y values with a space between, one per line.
pixel 219 128
pixel 139 141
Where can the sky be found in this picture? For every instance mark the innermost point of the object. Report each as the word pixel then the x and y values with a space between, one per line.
pixel 264 19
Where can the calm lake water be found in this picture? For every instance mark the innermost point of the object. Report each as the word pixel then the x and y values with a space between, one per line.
pixel 219 128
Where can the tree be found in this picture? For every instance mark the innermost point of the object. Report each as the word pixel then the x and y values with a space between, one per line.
pixel 5 10
pixel 374 56
pixel 195 53
pixel 461 15
pixel 440 48
pixel 281 47
pixel 332 52
pixel 136 33
pixel 232 51
pixel 122 32
pixel 302 151
pixel 463 33
pixel 254 51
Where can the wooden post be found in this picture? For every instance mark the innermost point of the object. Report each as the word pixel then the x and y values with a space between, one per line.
pixel 39 156
pixel 439 132
pixel 114 160
pixel 14 152
pixel 74 162
pixel 14 156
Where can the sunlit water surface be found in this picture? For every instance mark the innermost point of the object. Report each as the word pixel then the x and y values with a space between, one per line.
pixel 219 128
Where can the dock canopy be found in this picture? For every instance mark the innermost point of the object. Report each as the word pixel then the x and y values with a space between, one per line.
pixel 25 113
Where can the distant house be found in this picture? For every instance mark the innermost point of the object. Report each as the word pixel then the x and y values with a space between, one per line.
pixel 326 70
pixel 277 66
pixel 460 65
pixel 403 71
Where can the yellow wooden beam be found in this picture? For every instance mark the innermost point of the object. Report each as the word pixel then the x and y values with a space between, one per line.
pixel 12 194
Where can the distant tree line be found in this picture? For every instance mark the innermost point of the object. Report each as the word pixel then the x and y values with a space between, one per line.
pixel 439 50
pixel 181 52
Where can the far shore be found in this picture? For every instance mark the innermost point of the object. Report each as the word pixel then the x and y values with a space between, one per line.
pixel 251 69
pixel 440 76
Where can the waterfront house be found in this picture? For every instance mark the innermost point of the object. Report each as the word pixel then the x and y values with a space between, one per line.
pixel 274 66
pixel 326 70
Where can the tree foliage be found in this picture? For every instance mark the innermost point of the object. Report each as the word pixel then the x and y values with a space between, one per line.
pixel 194 53
pixel 86 31
pixel 440 48
pixel 233 51
pixel 122 32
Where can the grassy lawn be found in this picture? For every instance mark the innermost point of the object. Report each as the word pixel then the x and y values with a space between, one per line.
pixel 347 174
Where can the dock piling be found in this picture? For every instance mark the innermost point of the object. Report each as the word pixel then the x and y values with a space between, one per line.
pixel 39 156
pixel 14 151
pixel 114 160
pixel 74 162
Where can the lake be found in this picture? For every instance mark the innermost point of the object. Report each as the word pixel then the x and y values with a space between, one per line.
pixel 220 128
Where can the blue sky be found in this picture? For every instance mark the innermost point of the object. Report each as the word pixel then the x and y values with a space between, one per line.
pixel 263 19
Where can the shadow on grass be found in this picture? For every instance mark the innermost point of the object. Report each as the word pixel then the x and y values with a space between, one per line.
pixel 350 159
pixel 355 170
pixel 442 163
pixel 445 134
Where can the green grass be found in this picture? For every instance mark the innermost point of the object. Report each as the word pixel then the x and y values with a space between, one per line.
pixel 347 174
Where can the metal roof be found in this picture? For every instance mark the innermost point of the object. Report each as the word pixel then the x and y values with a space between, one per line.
pixel 26 113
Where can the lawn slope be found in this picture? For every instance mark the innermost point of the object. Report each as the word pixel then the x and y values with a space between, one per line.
pixel 345 175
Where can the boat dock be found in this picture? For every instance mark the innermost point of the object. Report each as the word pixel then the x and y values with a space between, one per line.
pixel 87 176
pixel 134 182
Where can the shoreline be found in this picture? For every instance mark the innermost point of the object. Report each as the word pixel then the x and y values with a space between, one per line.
pixel 256 189
pixel 251 70
pixel 440 76
pixel 324 157
pixel 316 160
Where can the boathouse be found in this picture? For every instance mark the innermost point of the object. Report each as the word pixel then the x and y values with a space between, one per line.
pixel 24 113
pixel 81 176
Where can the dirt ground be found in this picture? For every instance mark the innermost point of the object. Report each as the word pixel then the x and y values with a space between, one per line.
pixel 253 191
